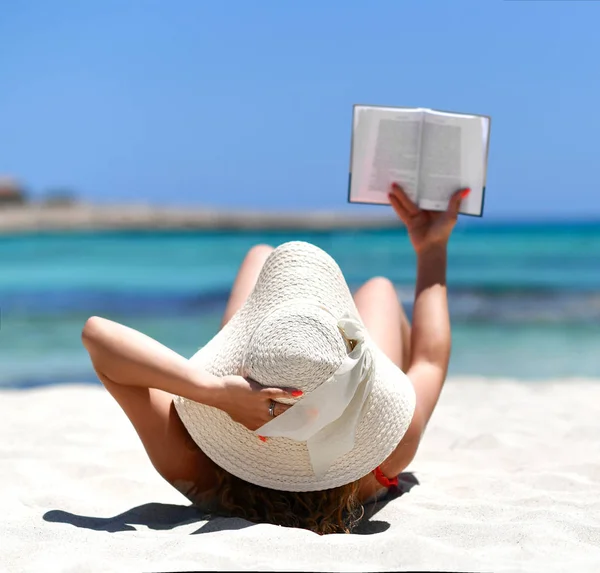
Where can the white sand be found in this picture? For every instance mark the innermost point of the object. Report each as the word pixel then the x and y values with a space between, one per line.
pixel 509 481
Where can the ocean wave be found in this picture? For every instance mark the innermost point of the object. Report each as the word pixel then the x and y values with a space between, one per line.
pixel 57 302
pixel 526 307
pixel 511 304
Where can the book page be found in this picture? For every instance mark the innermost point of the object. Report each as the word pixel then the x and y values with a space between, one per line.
pixel 454 156
pixel 385 148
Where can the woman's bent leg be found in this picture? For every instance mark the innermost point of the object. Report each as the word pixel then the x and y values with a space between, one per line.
pixel 382 314
pixel 384 317
pixel 246 279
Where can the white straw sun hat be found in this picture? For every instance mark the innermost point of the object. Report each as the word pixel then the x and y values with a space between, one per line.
pixel 300 329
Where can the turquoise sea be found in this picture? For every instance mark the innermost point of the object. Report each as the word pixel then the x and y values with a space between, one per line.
pixel 524 299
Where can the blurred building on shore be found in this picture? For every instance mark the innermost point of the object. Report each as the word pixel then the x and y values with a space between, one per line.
pixel 11 192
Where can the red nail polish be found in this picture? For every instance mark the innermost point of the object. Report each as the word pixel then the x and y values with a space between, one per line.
pixel 464 193
pixel 297 393
pixel 262 438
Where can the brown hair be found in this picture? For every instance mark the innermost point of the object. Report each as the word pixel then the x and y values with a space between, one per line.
pixel 336 510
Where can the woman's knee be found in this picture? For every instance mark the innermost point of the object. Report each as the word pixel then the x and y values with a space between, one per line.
pixel 259 252
pixel 378 295
pixel 381 285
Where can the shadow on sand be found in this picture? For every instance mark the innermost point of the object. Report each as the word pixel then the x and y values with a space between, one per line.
pixel 160 516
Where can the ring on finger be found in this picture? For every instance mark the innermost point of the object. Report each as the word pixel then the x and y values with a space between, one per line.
pixel 272 409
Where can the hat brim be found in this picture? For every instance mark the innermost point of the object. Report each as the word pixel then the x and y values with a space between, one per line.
pixel 296 271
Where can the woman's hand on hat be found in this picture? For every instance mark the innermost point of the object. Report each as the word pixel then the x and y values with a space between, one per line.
pixel 248 403
pixel 426 228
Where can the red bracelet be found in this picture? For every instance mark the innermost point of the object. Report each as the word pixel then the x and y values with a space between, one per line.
pixel 383 480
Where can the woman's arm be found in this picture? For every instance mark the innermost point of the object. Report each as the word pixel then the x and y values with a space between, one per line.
pixel 430 339
pixel 430 352
pixel 429 233
pixel 128 357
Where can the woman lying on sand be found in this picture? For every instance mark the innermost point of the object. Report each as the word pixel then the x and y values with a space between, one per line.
pixel 308 402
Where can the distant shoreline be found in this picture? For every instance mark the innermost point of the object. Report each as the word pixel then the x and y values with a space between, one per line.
pixel 41 217
pixel 81 216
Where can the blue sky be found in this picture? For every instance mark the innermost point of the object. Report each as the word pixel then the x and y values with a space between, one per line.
pixel 248 104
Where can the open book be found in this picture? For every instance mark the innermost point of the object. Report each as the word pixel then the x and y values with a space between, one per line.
pixel 429 153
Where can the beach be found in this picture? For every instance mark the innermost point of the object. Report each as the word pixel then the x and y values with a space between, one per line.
pixel 151 147
pixel 508 474
pixel 507 479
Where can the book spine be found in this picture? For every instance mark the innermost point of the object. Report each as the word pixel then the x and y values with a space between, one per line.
pixel 349 187
pixel 480 214
pixel 482 201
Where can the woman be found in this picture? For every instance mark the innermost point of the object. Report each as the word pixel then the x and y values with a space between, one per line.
pixel 308 402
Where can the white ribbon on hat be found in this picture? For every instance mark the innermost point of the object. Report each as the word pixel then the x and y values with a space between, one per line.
pixel 327 418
